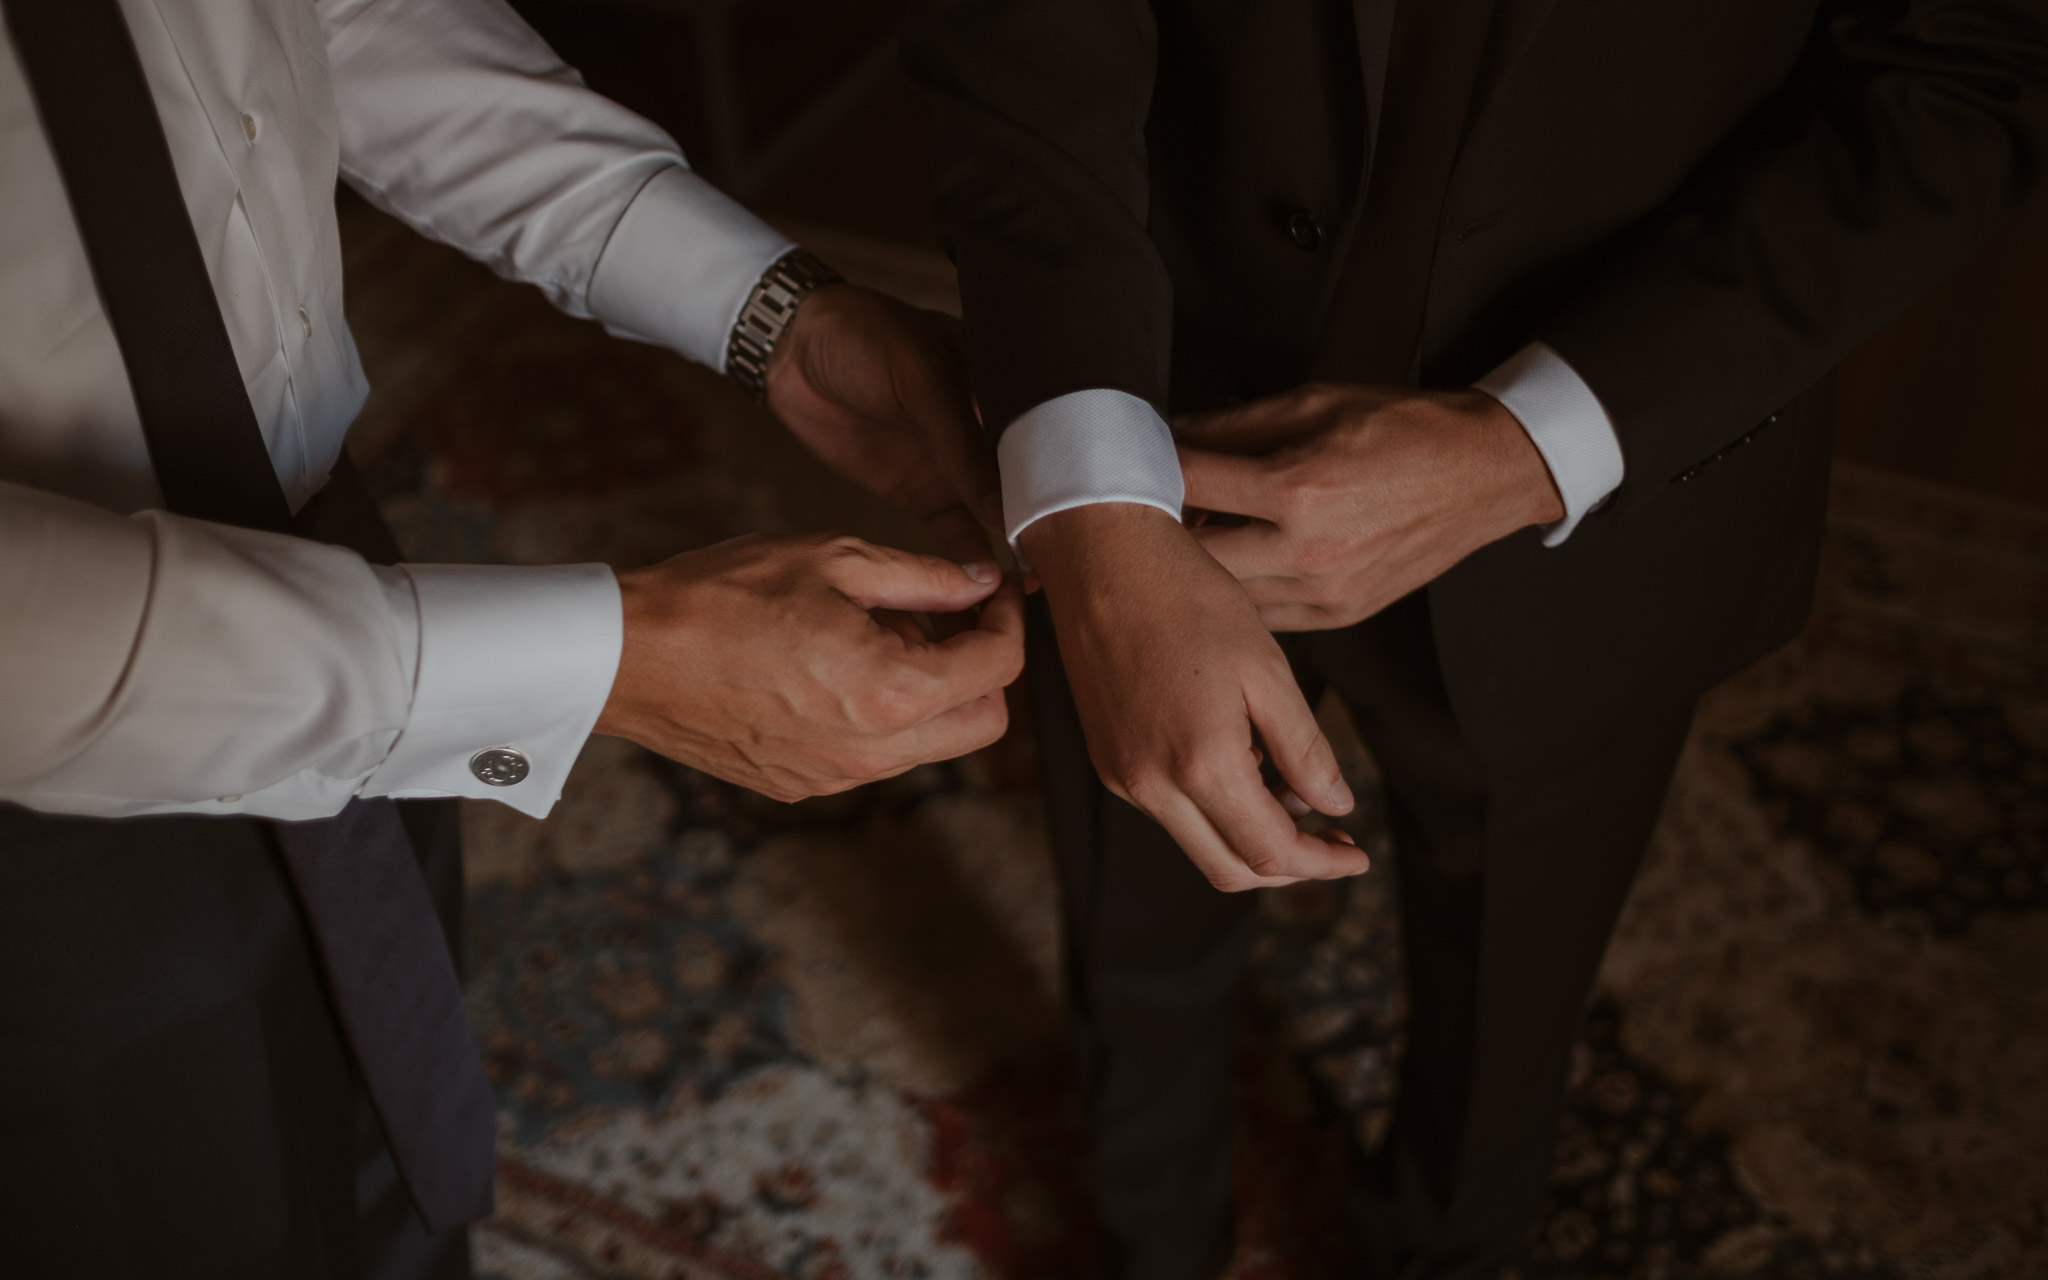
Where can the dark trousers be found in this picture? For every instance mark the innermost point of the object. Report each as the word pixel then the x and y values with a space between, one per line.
pixel 176 1097
pixel 1509 888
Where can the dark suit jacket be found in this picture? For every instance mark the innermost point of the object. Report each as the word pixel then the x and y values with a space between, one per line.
pixel 1701 204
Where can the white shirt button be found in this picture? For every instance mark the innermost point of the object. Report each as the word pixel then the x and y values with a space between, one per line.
pixel 500 767
pixel 305 322
pixel 227 799
pixel 249 127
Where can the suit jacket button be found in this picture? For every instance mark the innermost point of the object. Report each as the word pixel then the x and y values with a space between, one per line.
pixel 500 766
pixel 1302 228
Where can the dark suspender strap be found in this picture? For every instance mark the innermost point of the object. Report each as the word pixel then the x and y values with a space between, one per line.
pixel 102 124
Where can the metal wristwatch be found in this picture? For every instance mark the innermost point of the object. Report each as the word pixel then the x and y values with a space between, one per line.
pixel 770 307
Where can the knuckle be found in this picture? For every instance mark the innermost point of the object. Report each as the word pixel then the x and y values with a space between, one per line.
pixel 1264 862
pixel 843 549
pixel 1345 612
pixel 856 766
pixel 891 705
pixel 1296 740
pixel 1326 592
pixel 1315 554
pixel 1187 776
pixel 1299 490
pixel 994 725
pixel 1202 773
pixel 1140 787
pixel 1319 395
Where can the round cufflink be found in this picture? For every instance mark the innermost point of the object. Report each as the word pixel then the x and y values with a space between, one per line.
pixel 500 766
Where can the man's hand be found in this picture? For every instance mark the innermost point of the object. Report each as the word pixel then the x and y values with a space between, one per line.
pixel 878 390
pixel 1358 495
pixel 757 660
pixel 1172 671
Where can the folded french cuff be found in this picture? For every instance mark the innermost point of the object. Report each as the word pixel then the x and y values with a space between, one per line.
pixel 511 658
pixel 680 265
pixel 1568 426
pixel 1087 447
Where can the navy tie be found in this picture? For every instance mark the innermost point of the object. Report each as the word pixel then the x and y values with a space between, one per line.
pixel 386 957
pixel 394 985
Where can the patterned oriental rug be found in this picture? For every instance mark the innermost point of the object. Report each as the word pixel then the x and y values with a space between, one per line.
pixel 736 1040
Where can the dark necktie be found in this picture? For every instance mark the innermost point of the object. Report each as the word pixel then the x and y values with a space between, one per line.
pixel 386 957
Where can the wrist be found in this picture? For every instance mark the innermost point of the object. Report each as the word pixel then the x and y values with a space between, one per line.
pixel 1067 546
pixel 1523 490
pixel 785 367
pixel 645 604
pixel 771 316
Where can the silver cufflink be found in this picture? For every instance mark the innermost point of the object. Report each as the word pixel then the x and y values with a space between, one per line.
pixel 500 766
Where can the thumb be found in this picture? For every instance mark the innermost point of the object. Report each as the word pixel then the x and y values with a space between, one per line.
pixel 877 577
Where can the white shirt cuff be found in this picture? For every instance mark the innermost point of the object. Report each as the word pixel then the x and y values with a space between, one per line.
pixel 1086 447
pixel 680 264
pixel 518 657
pixel 1567 425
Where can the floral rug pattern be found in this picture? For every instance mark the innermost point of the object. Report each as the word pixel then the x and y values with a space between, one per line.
pixel 735 1040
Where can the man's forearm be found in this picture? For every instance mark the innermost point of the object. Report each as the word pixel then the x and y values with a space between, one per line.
pixel 161 664
pixel 1104 446
pixel 1042 183
pixel 679 266
pixel 457 117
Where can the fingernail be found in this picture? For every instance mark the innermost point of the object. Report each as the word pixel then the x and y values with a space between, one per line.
pixel 1340 797
pixel 1345 836
pixel 982 570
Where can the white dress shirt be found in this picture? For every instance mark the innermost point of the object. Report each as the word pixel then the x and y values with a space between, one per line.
pixel 1109 446
pixel 151 663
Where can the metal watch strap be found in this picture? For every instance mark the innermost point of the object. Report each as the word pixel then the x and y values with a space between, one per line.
pixel 770 307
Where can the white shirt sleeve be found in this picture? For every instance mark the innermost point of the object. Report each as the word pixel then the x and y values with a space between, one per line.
pixel 1108 446
pixel 1086 447
pixel 1568 426
pixel 457 118
pixel 680 266
pixel 159 664
pixel 509 656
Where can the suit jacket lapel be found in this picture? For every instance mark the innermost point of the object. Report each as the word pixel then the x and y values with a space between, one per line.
pixel 1436 51
pixel 1515 27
